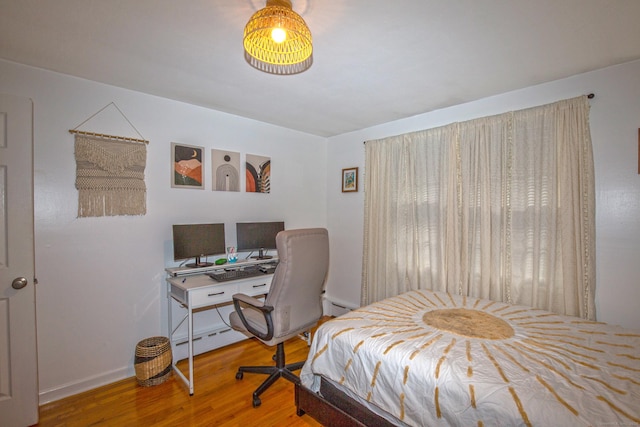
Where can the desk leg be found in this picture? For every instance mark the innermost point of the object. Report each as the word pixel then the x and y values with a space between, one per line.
pixel 189 316
pixel 170 322
pixel 190 344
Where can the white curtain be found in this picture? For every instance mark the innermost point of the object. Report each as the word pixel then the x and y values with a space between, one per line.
pixel 500 207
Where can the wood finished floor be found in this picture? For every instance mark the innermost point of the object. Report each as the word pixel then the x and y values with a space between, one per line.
pixel 219 399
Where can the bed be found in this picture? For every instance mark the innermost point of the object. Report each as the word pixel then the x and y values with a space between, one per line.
pixel 433 359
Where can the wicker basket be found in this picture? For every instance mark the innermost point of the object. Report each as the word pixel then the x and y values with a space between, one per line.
pixel 153 361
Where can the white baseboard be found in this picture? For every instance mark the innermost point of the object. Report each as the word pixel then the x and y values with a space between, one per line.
pixel 69 389
pixel 335 307
pixel 204 341
pixel 330 306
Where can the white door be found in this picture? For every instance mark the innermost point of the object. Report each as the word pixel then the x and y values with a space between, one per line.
pixel 18 358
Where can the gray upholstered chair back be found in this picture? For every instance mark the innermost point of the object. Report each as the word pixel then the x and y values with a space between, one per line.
pixel 297 284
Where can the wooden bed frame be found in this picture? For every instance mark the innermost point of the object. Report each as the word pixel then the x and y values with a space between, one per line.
pixel 333 408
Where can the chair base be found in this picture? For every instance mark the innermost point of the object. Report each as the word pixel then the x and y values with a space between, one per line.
pixel 279 370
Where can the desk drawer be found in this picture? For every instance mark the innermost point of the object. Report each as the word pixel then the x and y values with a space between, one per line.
pixel 212 295
pixel 255 286
pixel 179 293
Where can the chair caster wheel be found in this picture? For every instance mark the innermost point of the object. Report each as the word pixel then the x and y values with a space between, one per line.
pixel 256 402
pixel 239 375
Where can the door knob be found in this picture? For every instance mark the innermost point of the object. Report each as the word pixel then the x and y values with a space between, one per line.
pixel 19 283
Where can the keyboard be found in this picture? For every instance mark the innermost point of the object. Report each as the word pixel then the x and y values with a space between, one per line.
pixel 227 275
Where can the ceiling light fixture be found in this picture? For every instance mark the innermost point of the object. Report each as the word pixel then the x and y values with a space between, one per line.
pixel 277 40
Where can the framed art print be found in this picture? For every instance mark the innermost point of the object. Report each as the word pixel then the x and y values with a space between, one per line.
pixel 187 162
pixel 349 180
pixel 225 167
pixel 258 174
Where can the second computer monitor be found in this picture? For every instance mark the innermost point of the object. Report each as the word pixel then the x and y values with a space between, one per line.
pixel 258 236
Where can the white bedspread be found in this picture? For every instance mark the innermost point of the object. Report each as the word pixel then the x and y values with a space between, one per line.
pixel 434 359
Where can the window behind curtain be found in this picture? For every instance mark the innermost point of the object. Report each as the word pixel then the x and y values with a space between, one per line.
pixel 500 207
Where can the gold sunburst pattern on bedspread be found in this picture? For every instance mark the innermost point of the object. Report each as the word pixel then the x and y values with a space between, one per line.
pixel 432 358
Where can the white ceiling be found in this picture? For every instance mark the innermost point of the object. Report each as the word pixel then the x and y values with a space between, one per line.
pixel 374 60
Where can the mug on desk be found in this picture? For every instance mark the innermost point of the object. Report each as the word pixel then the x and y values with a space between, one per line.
pixel 232 254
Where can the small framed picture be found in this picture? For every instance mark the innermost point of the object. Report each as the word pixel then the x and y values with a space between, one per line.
pixel 187 164
pixel 349 180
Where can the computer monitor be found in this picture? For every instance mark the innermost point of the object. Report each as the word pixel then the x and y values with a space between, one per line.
pixel 258 236
pixel 198 241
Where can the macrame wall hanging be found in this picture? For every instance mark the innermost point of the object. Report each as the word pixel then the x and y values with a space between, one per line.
pixel 110 172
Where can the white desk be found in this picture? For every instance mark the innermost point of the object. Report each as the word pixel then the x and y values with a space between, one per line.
pixel 193 289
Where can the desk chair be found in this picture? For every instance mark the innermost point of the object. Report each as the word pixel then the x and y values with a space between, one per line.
pixel 293 304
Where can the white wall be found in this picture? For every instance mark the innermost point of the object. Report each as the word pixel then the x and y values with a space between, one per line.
pixel 101 280
pixel 615 119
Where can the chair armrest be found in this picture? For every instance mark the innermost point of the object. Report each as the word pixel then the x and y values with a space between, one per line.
pixel 253 302
pixel 256 304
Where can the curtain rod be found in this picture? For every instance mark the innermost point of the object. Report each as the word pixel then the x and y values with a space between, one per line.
pixel 590 96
